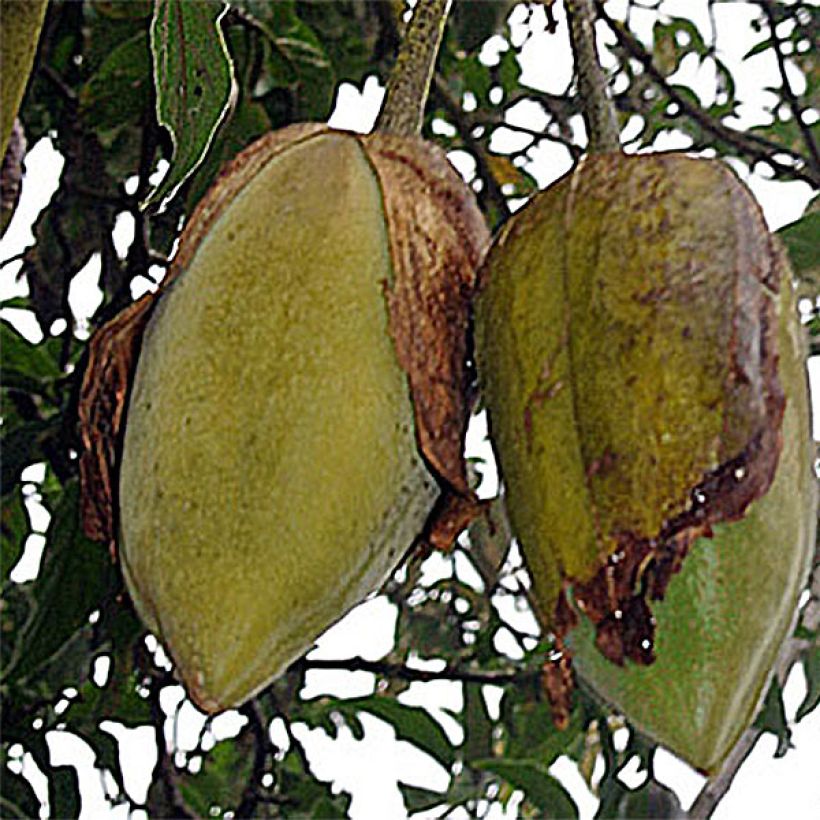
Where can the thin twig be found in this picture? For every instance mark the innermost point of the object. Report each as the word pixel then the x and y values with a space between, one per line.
pixel 164 770
pixel 786 87
pixel 261 748
pixel 409 81
pixel 18 257
pixel 407 673
pixel 756 148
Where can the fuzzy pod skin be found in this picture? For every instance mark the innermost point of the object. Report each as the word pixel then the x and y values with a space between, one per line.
pixel 272 474
pixel 20 24
pixel 638 351
pixel 725 617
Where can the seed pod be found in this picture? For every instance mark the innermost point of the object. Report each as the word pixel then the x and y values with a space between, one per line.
pixel 635 336
pixel 298 400
pixel 20 25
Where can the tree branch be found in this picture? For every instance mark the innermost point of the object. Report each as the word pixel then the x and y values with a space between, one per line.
pixel 598 109
pixel 407 673
pixel 755 148
pixel 786 87
pixel 409 82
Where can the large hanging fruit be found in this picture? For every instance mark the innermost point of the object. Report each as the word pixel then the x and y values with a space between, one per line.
pixel 637 346
pixel 298 399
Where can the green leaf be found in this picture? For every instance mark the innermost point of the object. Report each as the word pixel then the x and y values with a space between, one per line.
pixel 539 786
pixel 21 446
pixel 120 90
pixel 304 795
pixel 652 800
pixel 64 792
pixel 802 241
pixel 478 728
pixel 472 24
pixel 68 232
pixel 76 575
pixel 193 76
pixel 248 122
pixel 811 667
pixel 413 724
pixel 772 718
pixel 759 48
pixel 226 771
pixel 475 78
pixel 295 58
pixel 509 71
pixel 419 799
pixel 17 798
pixel 117 700
pixel 15 530
pixel 331 807
pixel 531 731
pixel 28 366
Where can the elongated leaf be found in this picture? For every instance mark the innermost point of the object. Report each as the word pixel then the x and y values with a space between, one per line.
pixel 802 240
pixel 76 574
pixel 14 531
pixel 21 446
pixel 64 792
pixel 419 799
pixel 295 60
pixel 477 724
pixel 194 81
pixel 539 786
pixel 413 724
pixel 26 365
pixel 119 91
pixel 772 718
pixel 17 798
pixel 811 666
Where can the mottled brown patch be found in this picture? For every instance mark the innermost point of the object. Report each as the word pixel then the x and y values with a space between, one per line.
pixel 557 682
pixel 437 240
pixel 452 513
pixel 112 355
pixel 617 598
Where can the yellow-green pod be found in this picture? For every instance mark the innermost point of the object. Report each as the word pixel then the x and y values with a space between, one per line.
pixel 277 459
pixel 637 349
pixel 20 24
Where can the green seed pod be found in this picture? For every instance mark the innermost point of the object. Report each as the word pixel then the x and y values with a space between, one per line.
pixel 637 345
pixel 298 399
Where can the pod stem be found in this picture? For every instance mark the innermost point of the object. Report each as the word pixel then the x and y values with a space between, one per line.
pixel 598 109
pixel 409 83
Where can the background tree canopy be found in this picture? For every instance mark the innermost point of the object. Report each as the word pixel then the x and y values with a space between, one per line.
pixel 73 652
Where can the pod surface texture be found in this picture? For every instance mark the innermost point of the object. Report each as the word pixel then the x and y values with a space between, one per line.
pixel 271 476
pixel 637 344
